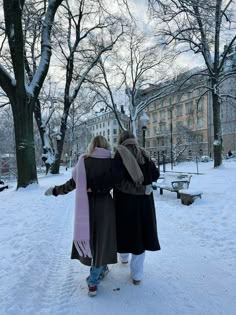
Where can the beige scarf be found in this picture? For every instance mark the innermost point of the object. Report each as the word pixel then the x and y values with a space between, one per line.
pixel 130 162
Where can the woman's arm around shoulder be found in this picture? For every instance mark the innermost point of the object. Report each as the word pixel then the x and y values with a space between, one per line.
pixel 122 180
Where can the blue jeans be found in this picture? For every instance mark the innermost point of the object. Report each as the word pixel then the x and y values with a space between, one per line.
pixel 95 275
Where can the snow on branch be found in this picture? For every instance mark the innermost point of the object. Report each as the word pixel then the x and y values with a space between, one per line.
pixel 43 67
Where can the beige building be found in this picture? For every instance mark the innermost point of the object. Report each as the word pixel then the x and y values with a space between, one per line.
pixel 182 123
pixel 179 121
pixel 228 115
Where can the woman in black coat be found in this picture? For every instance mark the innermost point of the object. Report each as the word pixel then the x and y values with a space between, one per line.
pixel 135 214
pixel 94 241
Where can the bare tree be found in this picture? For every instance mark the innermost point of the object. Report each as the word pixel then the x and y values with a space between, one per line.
pixel 44 112
pixel 22 95
pixel 86 32
pixel 139 64
pixel 79 108
pixel 103 85
pixel 205 26
pixel 33 24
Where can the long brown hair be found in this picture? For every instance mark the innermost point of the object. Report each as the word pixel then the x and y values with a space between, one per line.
pixel 126 134
pixel 139 153
pixel 98 141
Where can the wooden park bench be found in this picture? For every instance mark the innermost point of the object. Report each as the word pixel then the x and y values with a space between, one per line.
pixel 174 183
pixel 188 196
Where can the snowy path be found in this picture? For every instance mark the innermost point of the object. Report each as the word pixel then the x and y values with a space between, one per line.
pixel 194 273
pixel 36 245
pixel 191 277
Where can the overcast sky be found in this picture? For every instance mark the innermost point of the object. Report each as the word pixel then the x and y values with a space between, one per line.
pixel 139 7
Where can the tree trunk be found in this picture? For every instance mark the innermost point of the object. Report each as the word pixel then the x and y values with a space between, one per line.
pixel 42 131
pixel 22 105
pixel 217 130
pixel 55 167
pixel 24 138
pixel 133 127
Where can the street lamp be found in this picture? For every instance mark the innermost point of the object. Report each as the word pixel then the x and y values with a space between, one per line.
pixel 144 120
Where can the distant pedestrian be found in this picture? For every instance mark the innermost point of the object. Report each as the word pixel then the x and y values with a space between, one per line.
pixel 135 215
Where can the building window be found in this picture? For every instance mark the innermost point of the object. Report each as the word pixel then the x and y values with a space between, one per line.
pixel 115 140
pixel 163 127
pixel 179 98
pixel 100 125
pixel 179 110
pixel 154 117
pixel 115 122
pixel 200 137
pixel 103 125
pixel 108 131
pixel 114 131
pixel 96 126
pixel 162 114
pixel 199 122
pixel 200 105
pixel 173 100
pixel 189 107
pixel 170 112
pixel 190 123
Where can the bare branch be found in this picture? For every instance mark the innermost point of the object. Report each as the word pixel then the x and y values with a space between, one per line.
pixel 43 67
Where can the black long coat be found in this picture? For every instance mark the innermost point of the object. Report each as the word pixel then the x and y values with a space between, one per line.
pixel 102 175
pixel 135 216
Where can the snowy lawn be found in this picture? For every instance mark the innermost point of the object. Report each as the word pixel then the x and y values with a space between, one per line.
pixel 194 273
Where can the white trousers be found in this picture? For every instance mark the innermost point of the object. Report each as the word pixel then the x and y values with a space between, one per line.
pixel 136 264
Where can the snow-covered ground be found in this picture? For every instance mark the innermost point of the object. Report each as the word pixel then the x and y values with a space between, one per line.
pixel 194 273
